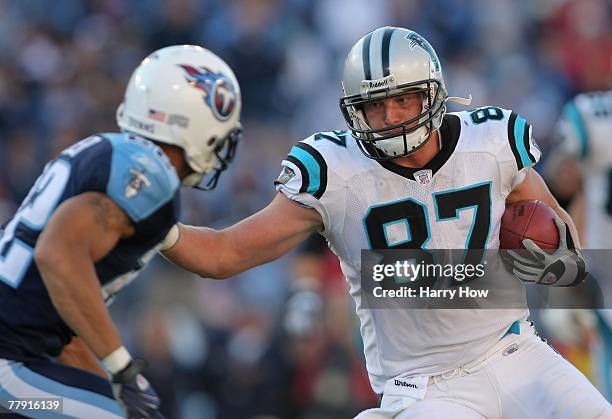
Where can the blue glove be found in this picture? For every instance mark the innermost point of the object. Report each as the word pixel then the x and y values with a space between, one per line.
pixel 134 393
pixel 565 267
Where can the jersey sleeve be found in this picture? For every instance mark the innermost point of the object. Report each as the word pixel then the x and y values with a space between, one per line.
pixel 518 152
pixel 141 179
pixel 522 144
pixel 304 177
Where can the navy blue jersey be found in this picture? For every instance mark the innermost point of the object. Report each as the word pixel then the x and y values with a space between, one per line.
pixel 137 175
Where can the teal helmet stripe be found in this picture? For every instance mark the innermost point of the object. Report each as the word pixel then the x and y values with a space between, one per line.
pixel 573 115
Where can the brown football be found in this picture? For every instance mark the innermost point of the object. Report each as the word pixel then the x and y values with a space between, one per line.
pixel 531 219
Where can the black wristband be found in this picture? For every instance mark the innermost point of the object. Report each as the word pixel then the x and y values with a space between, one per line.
pixel 132 369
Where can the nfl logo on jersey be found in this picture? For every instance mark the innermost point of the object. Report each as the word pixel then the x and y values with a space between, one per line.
pixel 423 176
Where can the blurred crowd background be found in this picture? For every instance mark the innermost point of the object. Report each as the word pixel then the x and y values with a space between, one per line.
pixel 280 341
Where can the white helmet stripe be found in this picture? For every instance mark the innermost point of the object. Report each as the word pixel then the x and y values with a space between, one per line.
pixel 376 55
pixel 365 57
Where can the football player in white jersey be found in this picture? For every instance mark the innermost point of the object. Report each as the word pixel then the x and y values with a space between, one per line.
pixel 580 170
pixel 583 141
pixel 401 177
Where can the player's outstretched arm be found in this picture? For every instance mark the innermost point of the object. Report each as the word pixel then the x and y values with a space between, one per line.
pixel 258 239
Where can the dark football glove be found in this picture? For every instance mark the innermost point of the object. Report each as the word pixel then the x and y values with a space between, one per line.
pixel 565 267
pixel 134 393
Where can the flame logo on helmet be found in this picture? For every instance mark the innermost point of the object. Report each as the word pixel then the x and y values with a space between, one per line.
pixel 219 92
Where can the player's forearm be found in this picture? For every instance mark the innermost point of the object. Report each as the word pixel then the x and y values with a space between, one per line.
pixel 203 251
pixel 75 293
pixel 218 254
pixel 534 187
pixel 226 253
pixel 258 239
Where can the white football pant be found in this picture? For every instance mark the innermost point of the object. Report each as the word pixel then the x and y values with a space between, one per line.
pixel 521 377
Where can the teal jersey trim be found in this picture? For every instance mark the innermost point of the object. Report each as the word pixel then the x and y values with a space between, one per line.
pixel 519 133
pixel 311 165
pixel 573 115
pixel 514 329
pixel 314 181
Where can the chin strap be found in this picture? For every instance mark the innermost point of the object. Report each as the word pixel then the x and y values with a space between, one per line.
pixel 193 179
pixel 459 100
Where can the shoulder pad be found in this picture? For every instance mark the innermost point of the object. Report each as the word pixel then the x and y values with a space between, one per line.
pixel 312 167
pixel 501 132
pixel 524 148
pixel 141 177
pixel 307 157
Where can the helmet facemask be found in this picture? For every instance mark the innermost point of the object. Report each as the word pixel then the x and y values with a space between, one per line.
pixel 224 152
pixel 400 139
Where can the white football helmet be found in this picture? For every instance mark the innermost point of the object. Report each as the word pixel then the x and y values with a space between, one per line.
pixel 186 96
pixel 389 62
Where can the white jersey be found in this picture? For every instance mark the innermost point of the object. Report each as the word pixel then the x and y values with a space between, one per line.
pixel 456 201
pixel 584 129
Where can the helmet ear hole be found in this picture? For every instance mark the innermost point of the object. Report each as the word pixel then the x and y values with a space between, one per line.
pixel 211 141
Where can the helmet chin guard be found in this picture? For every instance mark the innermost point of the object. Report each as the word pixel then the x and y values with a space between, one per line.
pixel 225 155
pixel 395 146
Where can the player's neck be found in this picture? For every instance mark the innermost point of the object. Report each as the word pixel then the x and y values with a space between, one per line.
pixel 423 155
pixel 177 159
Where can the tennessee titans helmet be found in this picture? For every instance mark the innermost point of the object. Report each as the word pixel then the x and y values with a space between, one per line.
pixel 189 97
